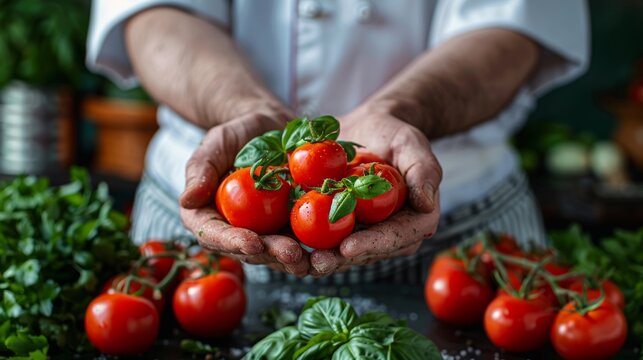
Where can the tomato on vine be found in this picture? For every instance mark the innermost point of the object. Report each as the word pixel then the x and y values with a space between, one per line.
pixel 519 324
pixel 121 324
pixel 255 199
pixel 159 265
pixel 612 292
pixel 117 284
pixel 310 222
pixel 211 306
pixel 595 333
pixel 379 208
pixel 455 293
pixel 218 262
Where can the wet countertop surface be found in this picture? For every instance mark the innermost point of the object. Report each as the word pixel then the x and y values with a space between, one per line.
pixel 402 302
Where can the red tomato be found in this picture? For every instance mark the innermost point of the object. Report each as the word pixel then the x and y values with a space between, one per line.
pixel 312 163
pixel 540 288
pixel 262 211
pixel 225 264
pixel 453 295
pixel 121 324
pixel 612 293
pixel 505 244
pixel 363 157
pixel 598 334
pixel 516 324
pixel 309 221
pixel 211 306
pixel 379 208
pixel 160 266
pixel 116 284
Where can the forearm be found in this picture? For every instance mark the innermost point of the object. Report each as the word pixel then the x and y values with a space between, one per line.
pixel 460 83
pixel 194 67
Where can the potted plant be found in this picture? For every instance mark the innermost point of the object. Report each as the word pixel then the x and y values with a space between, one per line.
pixel 42 45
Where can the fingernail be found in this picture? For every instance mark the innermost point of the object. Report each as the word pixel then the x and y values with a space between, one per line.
pixel 430 195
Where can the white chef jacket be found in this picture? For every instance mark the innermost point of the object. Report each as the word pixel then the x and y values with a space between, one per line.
pixel 326 56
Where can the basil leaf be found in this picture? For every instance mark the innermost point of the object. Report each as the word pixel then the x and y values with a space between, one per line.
pixel 380 318
pixel 281 344
pixel 343 204
pixel 312 301
pixel 22 344
pixel 377 341
pixel 331 314
pixel 294 133
pixel 370 186
pixel 267 147
pixel 321 346
pixel 277 318
pixel 327 127
pixel 349 149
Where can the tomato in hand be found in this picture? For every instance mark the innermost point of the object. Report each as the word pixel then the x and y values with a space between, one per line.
pixel 160 266
pixel 379 208
pixel 612 293
pixel 364 157
pixel 225 264
pixel 260 210
pixel 211 306
pixel 312 163
pixel 453 294
pixel 516 324
pixel 597 334
pixel 116 284
pixel 309 221
pixel 121 324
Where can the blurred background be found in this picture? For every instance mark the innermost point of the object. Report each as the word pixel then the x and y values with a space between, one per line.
pixel 582 146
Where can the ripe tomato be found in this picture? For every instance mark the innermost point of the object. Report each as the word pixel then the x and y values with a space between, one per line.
pixel 516 324
pixel 454 295
pixel 312 163
pixel 211 306
pixel 116 284
pixel 309 221
pixel 262 211
pixel 612 293
pixel 379 208
pixel 363 157
pixel 539 287
pixel 160 266
pixel 121 324
pixel 225 264
pixel 598 334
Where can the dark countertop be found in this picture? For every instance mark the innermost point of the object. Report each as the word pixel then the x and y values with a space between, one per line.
pixel 402 302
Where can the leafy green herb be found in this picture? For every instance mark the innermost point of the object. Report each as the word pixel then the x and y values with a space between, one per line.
pixel 277 318
pixel 197 347
pixel 303 130
pixel 266 147
pixel 356 187
pixel 343 204
pixel 56 245
pixel 329 328
pixel 349 148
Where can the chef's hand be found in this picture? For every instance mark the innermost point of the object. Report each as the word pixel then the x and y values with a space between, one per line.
pixel 408 149
pixel 211 160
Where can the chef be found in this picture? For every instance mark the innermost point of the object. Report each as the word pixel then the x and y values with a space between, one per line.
pixel 436 87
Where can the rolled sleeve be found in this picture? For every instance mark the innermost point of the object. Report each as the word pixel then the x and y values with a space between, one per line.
pixel 561 28
pixel 106 51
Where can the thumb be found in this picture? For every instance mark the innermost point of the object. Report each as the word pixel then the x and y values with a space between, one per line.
pixel 421 170
pixel 208 162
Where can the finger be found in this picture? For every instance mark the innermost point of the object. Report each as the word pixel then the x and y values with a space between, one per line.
pixel 283 249
pixel 413 156
pixel 403 229
pixel 215 234
pixel 325 262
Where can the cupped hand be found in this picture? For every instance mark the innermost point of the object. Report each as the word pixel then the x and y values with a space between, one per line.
pixel 210 161
pixel 408 149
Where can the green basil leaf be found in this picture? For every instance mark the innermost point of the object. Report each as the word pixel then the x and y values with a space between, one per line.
pixel 378 317
pixel 265 147
pixel 281 344
pixel 312 301
pixel 349 148
pixel 370 186
pixel 327 127
pixel 321 346
pixel 343 204
pixel 294 133
pixel 377 341
pixel 332 314
pixel 277 318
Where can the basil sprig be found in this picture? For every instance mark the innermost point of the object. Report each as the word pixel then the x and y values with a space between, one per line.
pixel 273 146
pixel 329 328
pixel 354 187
